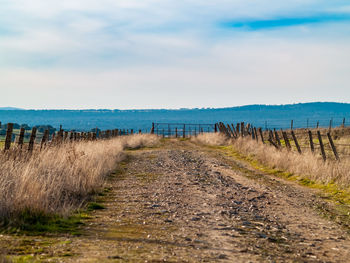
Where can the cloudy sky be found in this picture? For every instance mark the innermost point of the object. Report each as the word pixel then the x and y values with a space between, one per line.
pixel 173 53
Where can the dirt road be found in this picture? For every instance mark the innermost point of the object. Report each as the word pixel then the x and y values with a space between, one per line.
pixel 186 203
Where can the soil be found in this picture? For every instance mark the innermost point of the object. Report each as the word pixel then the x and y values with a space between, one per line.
pixel 184 202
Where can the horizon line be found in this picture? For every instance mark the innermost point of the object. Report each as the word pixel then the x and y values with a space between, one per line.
pixel 10 108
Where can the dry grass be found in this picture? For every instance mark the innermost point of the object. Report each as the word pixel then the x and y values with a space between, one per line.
pixel 307 165
pixel 211 139
pixel 59 179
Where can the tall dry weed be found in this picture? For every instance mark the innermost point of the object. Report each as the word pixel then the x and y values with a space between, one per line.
pixel 307 165
pixel 59 179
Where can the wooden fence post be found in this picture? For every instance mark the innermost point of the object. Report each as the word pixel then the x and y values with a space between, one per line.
pixel 256 135
pixel 321 145
pixel 184 131
pixel 270 135
pixel 21 138
pixel 277 138
pixel 215 128
pixel 343 124
pixel 8 138
pixel 330 124
pixel 71 136
pixel 286 140
pixel 318 124
pixel 152 130
pixel 176 132
pixel 53 138
pixel 248 128
pixel 261 135
pixel 234 130
pixel 60 137
pixel 272 142
pixel 32 140
pixel 238 130
pixel 230 131
pixel 296 141
pixel 311 141
pixel 221 127
pixel 44 138
pixel 291 125
pixel 226 131
pixel 242 129
pixel 333 146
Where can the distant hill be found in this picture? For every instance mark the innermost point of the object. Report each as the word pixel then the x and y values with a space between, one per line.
pixel 9 108
pixel 271 116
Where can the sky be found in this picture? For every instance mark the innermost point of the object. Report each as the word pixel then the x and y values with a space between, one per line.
pixel 141 54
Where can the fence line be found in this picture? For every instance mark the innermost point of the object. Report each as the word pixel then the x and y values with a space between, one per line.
pixel 61 136
pixel 183 130
pixel 273 138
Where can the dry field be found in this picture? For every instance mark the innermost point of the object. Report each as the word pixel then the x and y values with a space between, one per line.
pixel 58 179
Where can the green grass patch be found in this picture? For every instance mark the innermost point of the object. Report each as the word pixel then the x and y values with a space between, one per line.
pixel 23 259
pixel 31 223
pixel 95 206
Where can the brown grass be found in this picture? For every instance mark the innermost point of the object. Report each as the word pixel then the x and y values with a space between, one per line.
pixel 59 179
pixel 211 139
pixel 307 165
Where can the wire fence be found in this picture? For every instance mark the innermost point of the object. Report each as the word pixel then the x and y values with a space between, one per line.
pixel 181 129
pixel 331 143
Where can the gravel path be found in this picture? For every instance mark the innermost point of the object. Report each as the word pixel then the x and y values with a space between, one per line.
pixel 187 203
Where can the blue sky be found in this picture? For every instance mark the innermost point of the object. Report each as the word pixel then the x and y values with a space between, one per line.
pixel 172 54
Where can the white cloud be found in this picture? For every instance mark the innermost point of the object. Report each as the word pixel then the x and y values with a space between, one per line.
pixel 132 53
pixel 260 71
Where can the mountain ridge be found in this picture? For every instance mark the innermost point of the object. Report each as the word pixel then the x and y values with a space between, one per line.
pixel 272 116
pixel 248 106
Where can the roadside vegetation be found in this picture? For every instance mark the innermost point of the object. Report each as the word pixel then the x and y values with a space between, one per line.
pixel 307 165
pixel 54 182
